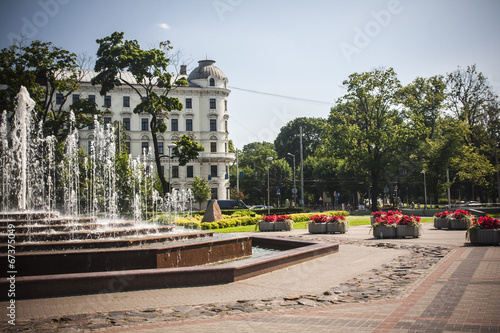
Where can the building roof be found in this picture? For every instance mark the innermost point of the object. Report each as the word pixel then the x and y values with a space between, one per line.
pixel 206 69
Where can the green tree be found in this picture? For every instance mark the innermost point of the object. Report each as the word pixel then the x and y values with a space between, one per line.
pixel 201 190
pixel 366 129
pixel 149 78
pixel 45 70
pixel 187 150
pixel 469 94
pixel 253 164
pixel 424 101
pixel 288 139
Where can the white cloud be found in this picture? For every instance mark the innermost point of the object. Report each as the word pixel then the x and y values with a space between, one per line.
pixel 163 26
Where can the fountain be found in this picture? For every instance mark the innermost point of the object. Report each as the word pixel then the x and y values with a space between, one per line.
pixel 89 249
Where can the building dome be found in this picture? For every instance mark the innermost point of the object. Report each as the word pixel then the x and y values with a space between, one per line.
pixel 205 70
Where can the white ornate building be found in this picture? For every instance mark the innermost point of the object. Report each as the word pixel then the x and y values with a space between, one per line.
pixel 204 118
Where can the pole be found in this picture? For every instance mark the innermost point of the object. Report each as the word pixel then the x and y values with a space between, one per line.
pixel 301 171
pixel 237 175
pixel 268 194
pixel 294 196
pixel 498 174
pixel 448 189
pixel 425 191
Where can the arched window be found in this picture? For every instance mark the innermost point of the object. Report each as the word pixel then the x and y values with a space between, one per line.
pixel 212 82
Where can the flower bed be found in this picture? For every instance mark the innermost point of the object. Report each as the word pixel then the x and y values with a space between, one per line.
pixel 484 231
pixel 275 223
pixel 395 225
pixel 460 220
pixel 442 219
pixel 322 224
pixel 383 214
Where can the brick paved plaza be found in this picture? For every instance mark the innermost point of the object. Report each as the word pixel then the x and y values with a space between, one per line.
pixel 436 283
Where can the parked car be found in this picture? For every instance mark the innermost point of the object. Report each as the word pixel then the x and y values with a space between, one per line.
pixel 231 204
pixel 258 207
pixel 472 204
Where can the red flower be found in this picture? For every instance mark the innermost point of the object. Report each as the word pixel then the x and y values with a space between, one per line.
pixel 405 220
pixel 320 218
pixel 337 218
pixel 487 222
pixel 460 214
pixel 443 214
pixel 388 219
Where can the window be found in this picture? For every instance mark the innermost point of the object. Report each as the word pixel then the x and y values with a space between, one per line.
pixel 127 144
pixel 225 105
pixel 213 125
pixel 92 98
pixel 213 171
pixel 189 125
pixel 59 99
pixel 212 82
pixel 175 171
pixel 107 121
pixel 144 124
pixel 107 100
pixel 189 171
pixel 92 126
pixel 225 147
pixel 76 98
pixel 174 125
pixel 214 193
pixel 160 147
pixel 212 103
pixel 145 147
pixel 213 147
pixel 225 125
pixel 189 103
pixel 126 123
pixel 126 101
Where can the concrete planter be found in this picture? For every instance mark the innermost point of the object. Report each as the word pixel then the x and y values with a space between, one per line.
pixel 461 224
pixel 317 228
pixel 440 223
pixel 407 231
pixel 266 226
pixel 336 227
pixel 484 236
pixel 275 226
pixel 283 226
pixel 383 231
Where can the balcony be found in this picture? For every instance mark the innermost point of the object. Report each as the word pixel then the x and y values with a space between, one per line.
pixel 221 157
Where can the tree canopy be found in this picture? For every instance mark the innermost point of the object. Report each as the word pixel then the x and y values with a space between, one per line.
pixel 152 82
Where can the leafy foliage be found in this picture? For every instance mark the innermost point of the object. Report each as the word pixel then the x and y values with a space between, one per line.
pixel 150 80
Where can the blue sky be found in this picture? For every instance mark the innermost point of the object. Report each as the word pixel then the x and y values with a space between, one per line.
pixel 302 49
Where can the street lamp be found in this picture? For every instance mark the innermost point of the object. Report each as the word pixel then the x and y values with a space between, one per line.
pixel 170 147
pixel 425 191
pixel 269 159
pixel 294 191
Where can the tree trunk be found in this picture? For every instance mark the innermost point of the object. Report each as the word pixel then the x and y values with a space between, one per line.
pixel 164 184
pixel 375 191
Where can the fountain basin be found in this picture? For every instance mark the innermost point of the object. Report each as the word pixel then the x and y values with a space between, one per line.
pixel 150 278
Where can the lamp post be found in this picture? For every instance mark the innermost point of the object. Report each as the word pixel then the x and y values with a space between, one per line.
pixel 170 147
pixel 269 159
pixel 294 191
pixel 425 191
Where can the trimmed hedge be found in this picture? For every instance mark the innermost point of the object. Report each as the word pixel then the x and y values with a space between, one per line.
pixel 230 222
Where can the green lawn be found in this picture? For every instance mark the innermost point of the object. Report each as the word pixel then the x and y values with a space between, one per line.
pixel 353 220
